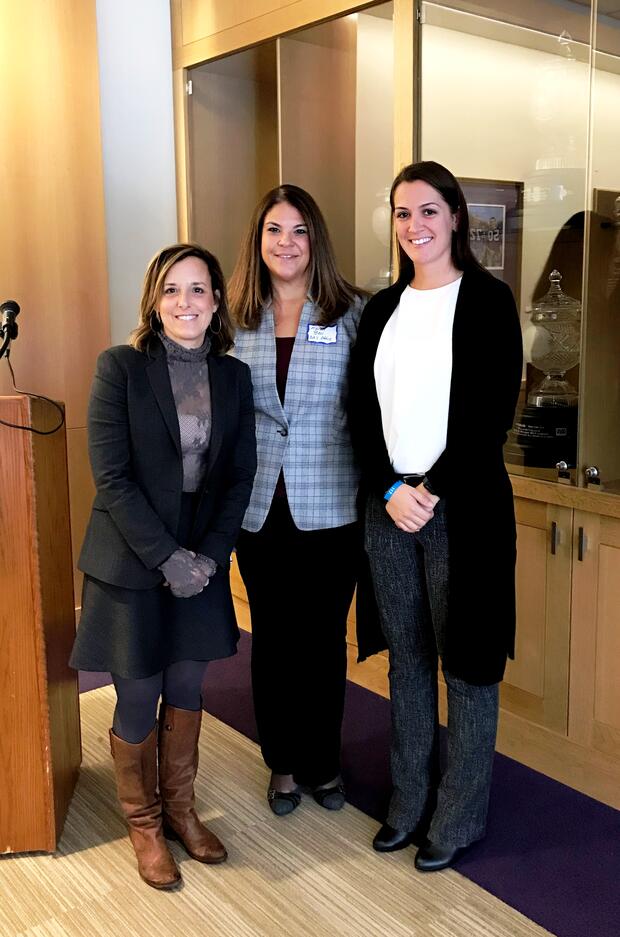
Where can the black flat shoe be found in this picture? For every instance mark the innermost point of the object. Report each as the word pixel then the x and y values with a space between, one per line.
pixel 332 798
pixel 432 858
pixel 283 802
pixel 389 840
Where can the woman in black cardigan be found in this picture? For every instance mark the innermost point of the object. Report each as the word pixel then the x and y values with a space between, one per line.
pixel 173 453
pixel 436 373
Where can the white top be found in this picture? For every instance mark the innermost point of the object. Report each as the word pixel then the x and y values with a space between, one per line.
pixel 413 370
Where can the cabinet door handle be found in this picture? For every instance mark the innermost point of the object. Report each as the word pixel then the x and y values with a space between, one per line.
pixel 554 537
pixel 581 542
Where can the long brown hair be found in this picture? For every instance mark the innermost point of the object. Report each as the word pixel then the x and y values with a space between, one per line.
pixel 442 180
pixel 250 285
pixel 149 323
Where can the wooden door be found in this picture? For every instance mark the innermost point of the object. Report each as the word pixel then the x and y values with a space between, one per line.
pixel 594 715
pixel 536 682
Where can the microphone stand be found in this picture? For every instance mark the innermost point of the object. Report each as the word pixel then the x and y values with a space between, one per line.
pixel 5 345
pixel 8 327
pixel 7 333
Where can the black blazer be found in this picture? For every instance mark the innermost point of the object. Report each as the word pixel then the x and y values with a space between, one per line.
pixel 135 454
pixel 470 474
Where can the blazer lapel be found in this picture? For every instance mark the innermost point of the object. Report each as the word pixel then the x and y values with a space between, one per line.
pixel 159 379
pixel 266 337
pixel 219 408
pixel 296 391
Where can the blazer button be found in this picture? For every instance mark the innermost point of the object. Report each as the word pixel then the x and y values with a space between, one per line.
pixel 283 432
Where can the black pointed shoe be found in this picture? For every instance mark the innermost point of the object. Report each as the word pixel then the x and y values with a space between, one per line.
pixel 389 840
pixel 433 857
pixel 283 802
pixel 332 798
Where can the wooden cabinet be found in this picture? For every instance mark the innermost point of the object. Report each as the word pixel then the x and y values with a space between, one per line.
pixel 561 696
pixel 536 682
pixel 594 713
pixel 565 677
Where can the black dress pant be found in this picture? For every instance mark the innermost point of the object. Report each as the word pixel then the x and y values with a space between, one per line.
pixel 300 585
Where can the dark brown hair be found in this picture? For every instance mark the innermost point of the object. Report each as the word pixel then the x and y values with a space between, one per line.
pixel 250 284
pixel 442 180
pixel 149 323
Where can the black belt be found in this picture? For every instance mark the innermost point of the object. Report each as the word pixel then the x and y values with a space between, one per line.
pixel 413 480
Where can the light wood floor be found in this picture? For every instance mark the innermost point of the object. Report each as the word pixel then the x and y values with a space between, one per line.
pixel 312 874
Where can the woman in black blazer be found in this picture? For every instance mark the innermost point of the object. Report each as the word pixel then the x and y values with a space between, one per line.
pixel 435 377
pixel 173 454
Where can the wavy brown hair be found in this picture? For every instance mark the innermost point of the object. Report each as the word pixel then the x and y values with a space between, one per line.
pixel 250 285
pixel 149 323
pixel 442 180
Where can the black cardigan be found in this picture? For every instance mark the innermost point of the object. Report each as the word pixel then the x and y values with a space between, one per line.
pixel 470 473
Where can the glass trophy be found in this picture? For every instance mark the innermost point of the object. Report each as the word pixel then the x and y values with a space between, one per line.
pixel 546 428
pixel 556 346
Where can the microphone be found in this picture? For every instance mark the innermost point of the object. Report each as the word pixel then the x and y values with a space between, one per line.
pixel 9 311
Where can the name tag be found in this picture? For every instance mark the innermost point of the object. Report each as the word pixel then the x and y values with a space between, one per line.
pixel 323 334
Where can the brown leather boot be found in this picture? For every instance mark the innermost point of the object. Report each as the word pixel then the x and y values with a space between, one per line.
pixel 179 730
pixel 136 781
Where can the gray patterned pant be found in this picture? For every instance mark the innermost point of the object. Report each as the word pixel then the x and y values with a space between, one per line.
pixel 410 573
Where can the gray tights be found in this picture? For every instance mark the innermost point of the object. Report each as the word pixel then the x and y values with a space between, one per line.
pixel 179 685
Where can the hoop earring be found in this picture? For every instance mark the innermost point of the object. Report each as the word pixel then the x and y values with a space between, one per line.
pixel 219 328
pixel 156 323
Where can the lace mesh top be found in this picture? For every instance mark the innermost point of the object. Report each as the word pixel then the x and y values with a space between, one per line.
pixel 189 376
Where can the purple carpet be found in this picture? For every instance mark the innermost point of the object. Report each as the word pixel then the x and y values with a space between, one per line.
pixel 550 852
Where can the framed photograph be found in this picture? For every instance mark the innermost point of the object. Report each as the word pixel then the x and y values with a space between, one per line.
pixel 495 225
pixel 606 202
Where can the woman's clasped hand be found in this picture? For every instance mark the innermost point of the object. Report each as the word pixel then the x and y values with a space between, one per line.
pixel 187 573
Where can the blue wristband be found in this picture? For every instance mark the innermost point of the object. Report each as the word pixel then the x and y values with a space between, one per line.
pixel 388 494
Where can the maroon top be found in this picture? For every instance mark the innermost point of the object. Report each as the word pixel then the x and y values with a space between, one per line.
pixel 284 350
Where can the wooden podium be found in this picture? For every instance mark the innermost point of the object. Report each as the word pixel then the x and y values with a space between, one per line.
pixel 40 750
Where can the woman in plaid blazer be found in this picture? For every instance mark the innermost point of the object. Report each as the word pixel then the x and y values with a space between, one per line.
pixel 297 320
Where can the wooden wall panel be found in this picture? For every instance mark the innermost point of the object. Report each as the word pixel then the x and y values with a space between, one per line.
pixel 406 93
pixel 232 146
pixel 52 236
pixel 207 17
pixel 317 106
pixel 52 247
pixel 203 35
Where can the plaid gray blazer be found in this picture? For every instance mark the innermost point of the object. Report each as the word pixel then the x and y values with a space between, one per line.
pixel 308 438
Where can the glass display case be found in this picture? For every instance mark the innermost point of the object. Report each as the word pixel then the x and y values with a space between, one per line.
pixel 517 102
pixel 312 108
pixel 537 105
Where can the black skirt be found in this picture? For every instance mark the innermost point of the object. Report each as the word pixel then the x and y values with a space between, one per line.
pixel 138 632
